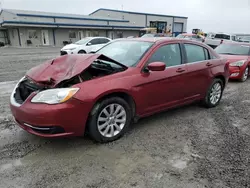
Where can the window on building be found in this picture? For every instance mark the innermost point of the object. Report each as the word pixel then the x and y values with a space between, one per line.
pixel 169 54
pixel 32 34
pixel 72 34
pixel 95 33
pixel 119 34
pixel 194 53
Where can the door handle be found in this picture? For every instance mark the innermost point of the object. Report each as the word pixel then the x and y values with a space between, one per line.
pixel 209 64
pixel 180 70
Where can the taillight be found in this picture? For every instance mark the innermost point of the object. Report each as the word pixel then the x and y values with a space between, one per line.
pixel 221 41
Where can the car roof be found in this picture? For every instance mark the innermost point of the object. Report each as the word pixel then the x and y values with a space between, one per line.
pixel 161 40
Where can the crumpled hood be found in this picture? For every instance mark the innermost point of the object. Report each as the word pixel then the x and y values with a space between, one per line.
pixel 234 58
pixel 62 68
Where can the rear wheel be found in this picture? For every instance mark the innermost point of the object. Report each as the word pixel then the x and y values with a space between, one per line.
pixel 214 94
pixel 82 52
pixel 110 119
pixel 245 75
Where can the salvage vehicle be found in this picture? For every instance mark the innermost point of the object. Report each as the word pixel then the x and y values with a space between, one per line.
pixel 238 54
pixel 103 92
pixel 189 36
pixel 219 38
pixel 86 45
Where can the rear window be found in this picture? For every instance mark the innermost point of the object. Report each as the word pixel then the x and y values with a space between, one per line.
pixel 222 36
pixel 233 49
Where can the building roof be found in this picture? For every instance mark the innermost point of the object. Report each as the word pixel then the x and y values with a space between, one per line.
pixel 140 13
pixel 29 13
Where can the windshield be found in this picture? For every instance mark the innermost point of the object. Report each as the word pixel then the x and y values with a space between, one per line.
pixel 233 49
pixel 148 35
pixel 125 52
pixel 83 41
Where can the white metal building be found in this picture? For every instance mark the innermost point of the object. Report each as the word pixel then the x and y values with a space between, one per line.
pixel 32 28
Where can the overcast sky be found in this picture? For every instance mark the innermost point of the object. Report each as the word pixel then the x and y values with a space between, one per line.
pixel 210 15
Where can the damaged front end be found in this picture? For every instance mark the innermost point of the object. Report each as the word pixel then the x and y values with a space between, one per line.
pixel 61 74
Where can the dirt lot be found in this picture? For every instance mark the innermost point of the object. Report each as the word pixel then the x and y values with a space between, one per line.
pixel 187 147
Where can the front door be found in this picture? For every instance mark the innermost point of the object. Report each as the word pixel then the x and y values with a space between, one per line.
pixel 45 37
pixel 164 88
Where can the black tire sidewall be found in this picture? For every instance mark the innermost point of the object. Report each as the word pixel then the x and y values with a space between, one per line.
pixel 207 101
pixel 92 124
pixel 81 52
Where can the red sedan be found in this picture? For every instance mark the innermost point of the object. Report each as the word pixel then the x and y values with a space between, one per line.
pixel 127 79
pixel 238 54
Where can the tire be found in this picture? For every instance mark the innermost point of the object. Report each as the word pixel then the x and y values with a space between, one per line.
pixel 81 52
pixel 245 75
pixel 100 125
pixel 214 90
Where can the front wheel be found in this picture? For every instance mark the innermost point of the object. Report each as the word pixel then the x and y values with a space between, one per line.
pixel 245 75
pixel 214 94
pixel 109 120
pixel 82 52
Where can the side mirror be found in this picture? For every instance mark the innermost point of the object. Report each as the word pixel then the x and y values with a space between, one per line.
pixel 88 44
pixel 156 66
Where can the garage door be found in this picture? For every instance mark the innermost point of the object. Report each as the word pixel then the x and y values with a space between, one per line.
pixel 178 27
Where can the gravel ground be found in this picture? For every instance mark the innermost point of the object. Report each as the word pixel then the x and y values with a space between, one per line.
pixel 187 147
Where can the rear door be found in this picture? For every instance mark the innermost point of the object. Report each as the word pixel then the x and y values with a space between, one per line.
pixel 198 70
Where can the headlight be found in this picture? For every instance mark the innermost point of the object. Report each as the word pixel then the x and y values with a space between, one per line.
pixel 238 63
pixel 54 96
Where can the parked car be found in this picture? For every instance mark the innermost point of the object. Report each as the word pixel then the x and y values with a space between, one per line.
pixel 127 79
pixel 244 39
pixel 238 55
pixel 218 38
pixel 85 45
pixel 191 36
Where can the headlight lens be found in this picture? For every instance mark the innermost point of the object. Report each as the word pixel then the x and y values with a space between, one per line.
pixel 54 96
pixel 238 63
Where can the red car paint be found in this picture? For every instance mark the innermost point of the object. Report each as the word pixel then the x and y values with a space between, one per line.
pixel 235 58
pixel 240 70
pixel 152 92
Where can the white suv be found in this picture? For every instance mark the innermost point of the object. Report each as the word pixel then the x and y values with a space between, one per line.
pixel 85 45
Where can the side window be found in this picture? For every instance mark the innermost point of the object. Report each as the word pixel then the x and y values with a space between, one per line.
pixel 169 54
pixel 207 56
pixel 95 41
pixel 103 40
pixel 194 53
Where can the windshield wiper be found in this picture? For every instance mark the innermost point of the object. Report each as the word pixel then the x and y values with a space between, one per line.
pixel 103 63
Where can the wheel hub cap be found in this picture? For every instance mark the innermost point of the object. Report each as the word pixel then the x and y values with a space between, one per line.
pixel 215 93
pixel 111 120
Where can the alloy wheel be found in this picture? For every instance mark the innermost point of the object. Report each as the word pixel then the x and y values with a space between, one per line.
pixel 245 75
pixel 111 120
pixel 215 93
